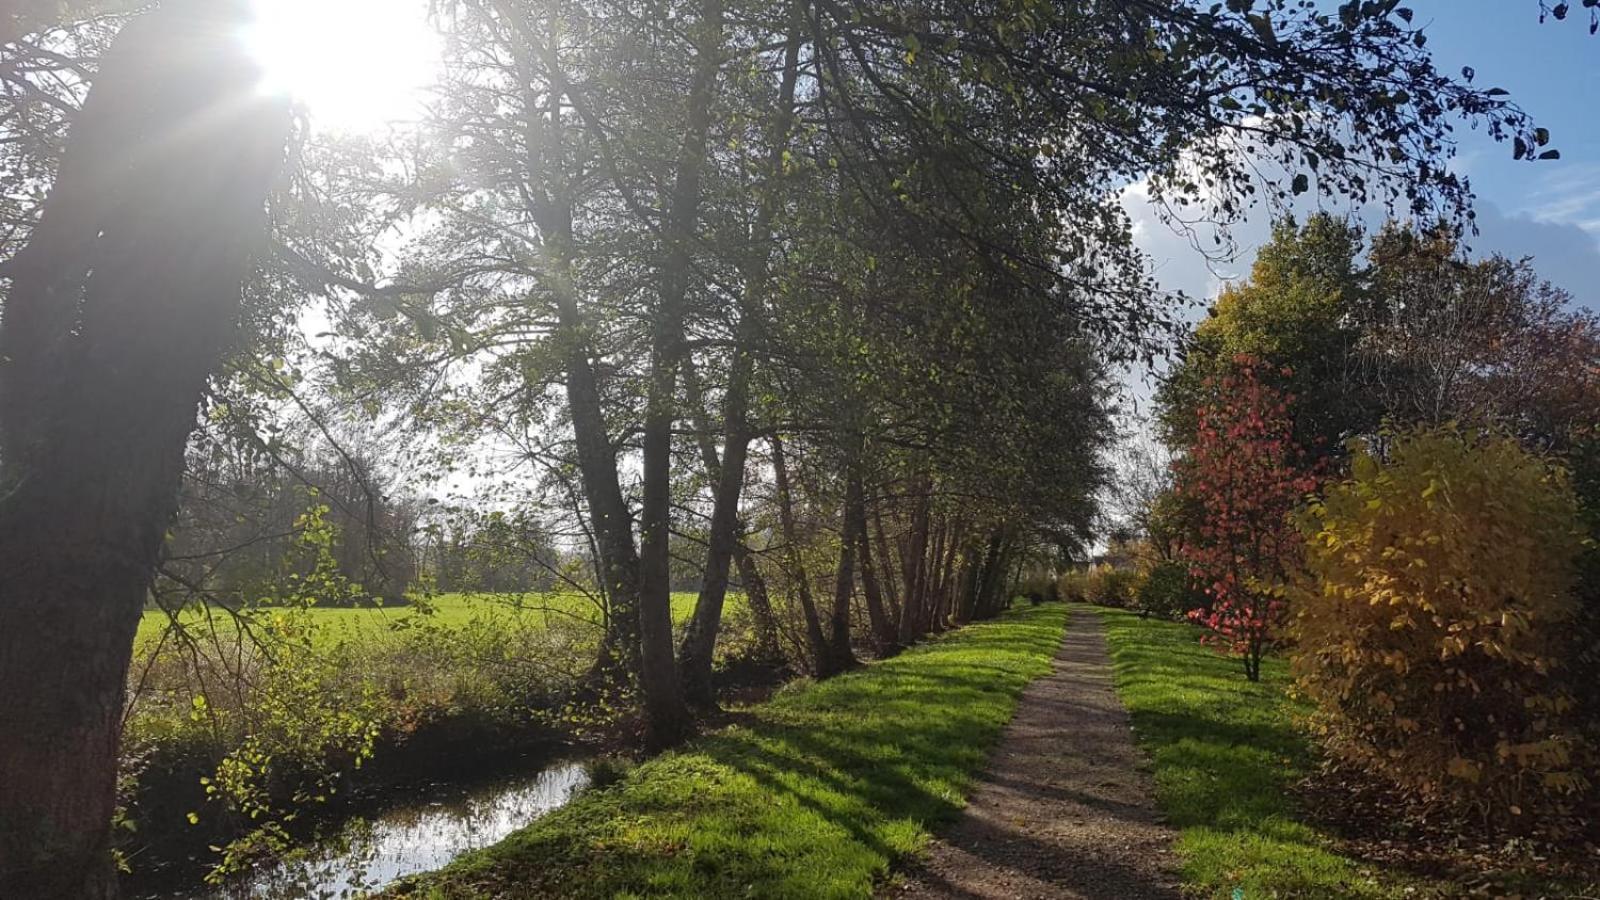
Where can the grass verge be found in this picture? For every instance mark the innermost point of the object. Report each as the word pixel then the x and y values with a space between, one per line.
pixel 1227 756
pixel 815 794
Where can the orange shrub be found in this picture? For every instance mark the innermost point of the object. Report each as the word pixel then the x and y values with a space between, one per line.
pixel 1431 632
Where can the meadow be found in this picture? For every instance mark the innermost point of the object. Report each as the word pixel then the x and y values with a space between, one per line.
pixel 449 610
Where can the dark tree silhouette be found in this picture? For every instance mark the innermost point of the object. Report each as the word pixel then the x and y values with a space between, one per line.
pixel 119 308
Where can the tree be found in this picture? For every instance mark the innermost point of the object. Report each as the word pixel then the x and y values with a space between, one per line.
pixel 1246 475
pixel 119 308
pixel 1420 334
pixel 1294 314
pixel 1444 337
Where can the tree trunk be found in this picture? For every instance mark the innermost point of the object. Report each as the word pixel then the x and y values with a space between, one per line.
pixel 755 591
pixel 995 563
pixel 936 611
pixel 891 590
pixel 950 539
pixel 884 638
pixel 122 304
pixel 610 520
pixel 966 602
pixel 839 657
pixel 913 563
pixel 666 712
pixel 700 637
pixel 815 642
pixel 699 640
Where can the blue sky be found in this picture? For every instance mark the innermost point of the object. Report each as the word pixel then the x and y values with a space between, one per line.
pixel 1547 210
pixel 1553 70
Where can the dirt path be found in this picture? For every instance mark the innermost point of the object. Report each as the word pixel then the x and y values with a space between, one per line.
pixel 1064 808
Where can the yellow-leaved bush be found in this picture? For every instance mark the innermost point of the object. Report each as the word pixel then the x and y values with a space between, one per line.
pixel 1432 630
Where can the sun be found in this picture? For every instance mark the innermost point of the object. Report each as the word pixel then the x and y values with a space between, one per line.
pixel 355 65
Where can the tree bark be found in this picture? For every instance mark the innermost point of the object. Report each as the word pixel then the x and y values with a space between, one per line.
pixel 666 712
pixel 610 520
pixel 124 301
pixel 700 638
pixel 815 641
pixel 755 591
pixel 755 587
pixel 995 563
pixel 839 657
pixel 891 590
pixel 609 516
pixel 950 540
pixel 914 563
pixel 884 638
pixel 966 601
pixel 938 596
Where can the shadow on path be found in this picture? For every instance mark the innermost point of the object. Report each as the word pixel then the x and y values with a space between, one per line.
pixel 1064 807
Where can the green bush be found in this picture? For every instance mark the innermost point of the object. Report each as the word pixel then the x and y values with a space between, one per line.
pixel 1168 591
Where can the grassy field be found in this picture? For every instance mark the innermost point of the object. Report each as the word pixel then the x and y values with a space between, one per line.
pixel 1227 754
pixel 442 610
pixel 813 795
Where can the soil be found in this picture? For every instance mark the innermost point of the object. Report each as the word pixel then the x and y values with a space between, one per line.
pixel 1064 808
pixel 1451 856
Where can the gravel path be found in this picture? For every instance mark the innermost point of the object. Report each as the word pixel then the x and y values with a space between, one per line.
pixel 1064 808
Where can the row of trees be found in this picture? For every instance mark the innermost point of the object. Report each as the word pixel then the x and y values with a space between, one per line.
pixel 878 242
pixel 1419 333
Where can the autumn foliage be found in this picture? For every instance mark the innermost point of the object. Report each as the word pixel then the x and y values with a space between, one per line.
pixel 1433 636
pixel 1245 475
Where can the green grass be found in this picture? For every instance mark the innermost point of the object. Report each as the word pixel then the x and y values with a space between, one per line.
pixel 1227 754
pixel 815 794
pixel 443 610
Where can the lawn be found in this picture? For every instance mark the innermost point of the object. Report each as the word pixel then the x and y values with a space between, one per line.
pixel 815 794
pixel 1227 755
pixel 442 610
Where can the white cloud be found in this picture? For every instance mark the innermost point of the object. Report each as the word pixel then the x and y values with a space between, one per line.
pixel 1568 196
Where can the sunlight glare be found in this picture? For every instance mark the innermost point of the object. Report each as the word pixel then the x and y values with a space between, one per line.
pixel 355 65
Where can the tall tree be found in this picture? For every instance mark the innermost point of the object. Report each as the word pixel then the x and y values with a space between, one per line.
pixel 119 308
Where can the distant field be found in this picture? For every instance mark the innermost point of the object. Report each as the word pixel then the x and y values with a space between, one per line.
pixel 442 610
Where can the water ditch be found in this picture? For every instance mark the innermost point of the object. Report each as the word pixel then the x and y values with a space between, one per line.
pixel 422 833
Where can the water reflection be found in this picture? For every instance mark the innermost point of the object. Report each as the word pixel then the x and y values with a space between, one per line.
pixel 406 840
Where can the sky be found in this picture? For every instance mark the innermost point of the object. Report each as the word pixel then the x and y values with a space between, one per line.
pixel 1547 210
